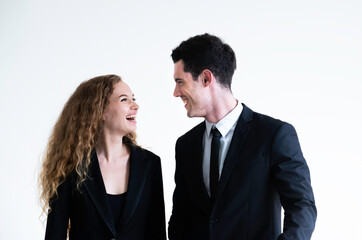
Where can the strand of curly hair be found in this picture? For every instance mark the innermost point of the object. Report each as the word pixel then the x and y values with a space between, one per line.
pixel 74 136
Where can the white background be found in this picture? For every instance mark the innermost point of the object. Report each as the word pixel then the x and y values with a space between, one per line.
pixel 300 61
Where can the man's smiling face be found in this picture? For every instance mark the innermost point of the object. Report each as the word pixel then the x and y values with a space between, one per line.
pixel 190 91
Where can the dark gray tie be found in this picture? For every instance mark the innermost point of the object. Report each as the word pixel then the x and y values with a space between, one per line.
pixel 214 163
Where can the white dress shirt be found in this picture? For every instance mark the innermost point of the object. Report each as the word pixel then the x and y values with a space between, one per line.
pixel 226 127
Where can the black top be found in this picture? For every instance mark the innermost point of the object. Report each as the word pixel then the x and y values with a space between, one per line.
pixel 89 210
pixel 117 203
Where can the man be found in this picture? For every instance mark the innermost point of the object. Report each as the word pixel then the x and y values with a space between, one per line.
pixel 236 169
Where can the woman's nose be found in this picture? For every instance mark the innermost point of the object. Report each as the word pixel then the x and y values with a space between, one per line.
pixel 135 106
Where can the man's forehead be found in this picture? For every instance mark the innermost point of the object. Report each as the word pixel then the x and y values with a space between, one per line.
pixel 178 70
pixel 179 65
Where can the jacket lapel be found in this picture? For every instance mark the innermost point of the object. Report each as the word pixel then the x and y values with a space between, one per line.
pixel 139 167
pixel 95 187
pixel 195 158
pixel 237 143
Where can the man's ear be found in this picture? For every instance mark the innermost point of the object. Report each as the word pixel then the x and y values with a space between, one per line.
pixel 207 77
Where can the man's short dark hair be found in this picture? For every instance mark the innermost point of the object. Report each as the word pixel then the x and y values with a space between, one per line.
pixel 207 52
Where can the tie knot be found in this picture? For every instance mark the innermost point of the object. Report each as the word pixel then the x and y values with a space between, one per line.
pixel 215 132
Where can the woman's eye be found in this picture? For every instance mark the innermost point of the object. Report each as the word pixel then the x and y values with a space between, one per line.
pixel 134 99
pixel 123 99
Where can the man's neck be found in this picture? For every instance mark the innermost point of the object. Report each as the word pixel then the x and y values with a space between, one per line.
pixel 220 107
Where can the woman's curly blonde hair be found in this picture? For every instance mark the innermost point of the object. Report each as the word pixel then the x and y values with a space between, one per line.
pixel 75 134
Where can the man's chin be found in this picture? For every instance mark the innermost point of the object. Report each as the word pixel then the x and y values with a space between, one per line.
pixel 192 115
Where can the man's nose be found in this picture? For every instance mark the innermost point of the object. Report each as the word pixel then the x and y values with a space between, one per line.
pixel 177 92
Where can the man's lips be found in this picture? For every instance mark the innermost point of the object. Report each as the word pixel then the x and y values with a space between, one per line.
pixel 185 101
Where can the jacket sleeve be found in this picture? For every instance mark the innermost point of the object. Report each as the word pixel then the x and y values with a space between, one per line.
pixel 178 225
pixel 292 180
pixel 156 219
pixel 58 217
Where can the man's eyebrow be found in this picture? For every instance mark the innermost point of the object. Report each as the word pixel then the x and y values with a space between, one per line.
pixel 178 79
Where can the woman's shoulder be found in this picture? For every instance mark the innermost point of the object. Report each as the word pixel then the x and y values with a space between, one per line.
pixel 145 153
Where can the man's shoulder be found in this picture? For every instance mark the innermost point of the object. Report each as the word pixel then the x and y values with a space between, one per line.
pixel 197 130
pixel 265 122
pixel 266 119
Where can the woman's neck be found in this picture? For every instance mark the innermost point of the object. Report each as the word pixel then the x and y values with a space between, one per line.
pixel 111 148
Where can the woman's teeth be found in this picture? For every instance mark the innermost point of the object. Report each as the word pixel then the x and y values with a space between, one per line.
pixel 131 117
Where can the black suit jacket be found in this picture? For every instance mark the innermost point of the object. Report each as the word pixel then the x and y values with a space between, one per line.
pixel 264 169
pixel 89 211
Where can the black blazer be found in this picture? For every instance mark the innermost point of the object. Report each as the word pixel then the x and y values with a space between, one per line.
pixel 89 211
pixel 264 169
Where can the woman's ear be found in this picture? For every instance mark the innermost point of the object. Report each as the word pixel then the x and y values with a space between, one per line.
pixel 104 116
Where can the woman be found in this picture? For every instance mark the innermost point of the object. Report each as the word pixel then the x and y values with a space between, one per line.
pixel 96 182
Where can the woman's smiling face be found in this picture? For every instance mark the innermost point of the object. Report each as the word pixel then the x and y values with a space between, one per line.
pixel 120 115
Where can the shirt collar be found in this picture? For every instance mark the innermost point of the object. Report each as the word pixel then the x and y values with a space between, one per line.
pixel 227 122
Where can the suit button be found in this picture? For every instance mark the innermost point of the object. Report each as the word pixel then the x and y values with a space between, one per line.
pixel 213 220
